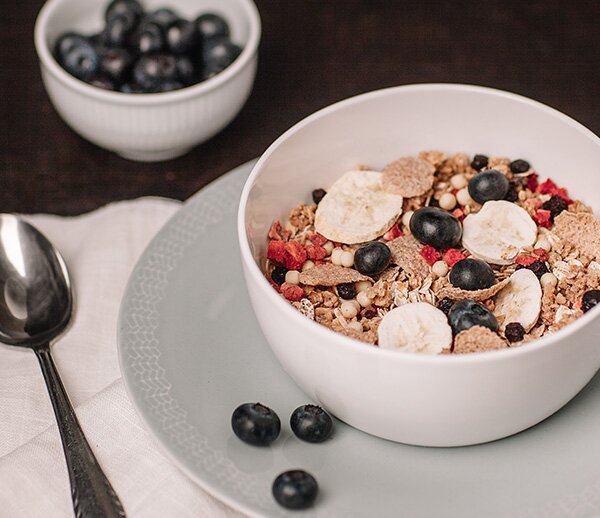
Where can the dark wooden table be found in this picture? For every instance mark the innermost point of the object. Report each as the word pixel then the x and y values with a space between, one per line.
pixel 313 52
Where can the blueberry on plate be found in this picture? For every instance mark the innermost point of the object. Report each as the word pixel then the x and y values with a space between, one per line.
pixel 116 64
pixel 149 37
pixel 311 423
pixel 152 69
pixel 77 55
pixel 181 36
pixel 472 274
pixel 488 185
pixel 435 227
pixel 255 424
pixel 211 25
pixel 372 258
pixel 218 54
pixel 465 314
pixel 295 489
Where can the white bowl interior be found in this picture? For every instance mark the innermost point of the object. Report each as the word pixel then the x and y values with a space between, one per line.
pixel 376 128
pixel 87 16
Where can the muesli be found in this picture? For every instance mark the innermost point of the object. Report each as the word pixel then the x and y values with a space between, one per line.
pixel 439 254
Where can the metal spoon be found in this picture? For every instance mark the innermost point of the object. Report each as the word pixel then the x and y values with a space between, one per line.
pixel 36 303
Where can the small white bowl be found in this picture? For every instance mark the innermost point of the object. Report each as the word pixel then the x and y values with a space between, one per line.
pixel 148 127
pixel 448 400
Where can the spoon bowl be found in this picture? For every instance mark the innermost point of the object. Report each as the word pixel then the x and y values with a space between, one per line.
pixel 36 304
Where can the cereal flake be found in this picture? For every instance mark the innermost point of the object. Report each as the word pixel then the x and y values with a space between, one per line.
pixel 408 176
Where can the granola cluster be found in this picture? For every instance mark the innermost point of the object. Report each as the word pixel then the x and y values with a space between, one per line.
pixel 319 278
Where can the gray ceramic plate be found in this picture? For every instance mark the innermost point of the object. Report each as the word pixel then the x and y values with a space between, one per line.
pixel 191 351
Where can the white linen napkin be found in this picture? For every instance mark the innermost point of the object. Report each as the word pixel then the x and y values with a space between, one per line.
pixel 100 249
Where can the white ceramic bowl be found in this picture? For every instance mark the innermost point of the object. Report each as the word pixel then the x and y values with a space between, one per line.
pixel 412 398
pixel 148 127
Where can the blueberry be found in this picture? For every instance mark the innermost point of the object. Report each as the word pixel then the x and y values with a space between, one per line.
pixel 255 424
pixel 167 85
pixel 211 25
pixel 186 71
pixel 181 36
pixel 295 489
pixel 514 332
pixel 538 267
pixel 278 275
pixel 435 227
pixel 512 194
pixel 488 185
pixel 163 17
pixel 555 205
pixel 372 258
pixel 77 55
pixel 128 7
pixel 132 88
pixel 472 274
pixel 590 299
pixel 218 54
pixel 116 64
pixel 150 70
pixel 468 313
pixel 479 162
pixel 149 37
pixel 519 166
pixel 118 29
pixel 346 291
pixel 318 195
pixel 102 82
pixel 311 423
pixel 445 305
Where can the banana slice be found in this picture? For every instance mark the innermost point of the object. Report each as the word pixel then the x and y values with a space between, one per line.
pixel 520 301
pixel 415 327
pixel 357 209
pixel 498 232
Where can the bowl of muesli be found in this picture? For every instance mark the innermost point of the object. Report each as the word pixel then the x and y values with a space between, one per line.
pixel 424 261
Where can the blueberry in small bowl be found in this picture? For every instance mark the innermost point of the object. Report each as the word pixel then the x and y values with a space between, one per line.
pixel 110 59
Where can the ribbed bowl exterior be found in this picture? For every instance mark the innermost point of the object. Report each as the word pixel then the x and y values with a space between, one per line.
pixel 157 131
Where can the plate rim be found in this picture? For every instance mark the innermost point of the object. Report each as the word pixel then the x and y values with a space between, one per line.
pixel 142 413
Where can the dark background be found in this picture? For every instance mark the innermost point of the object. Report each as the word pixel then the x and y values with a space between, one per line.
pixel 313 52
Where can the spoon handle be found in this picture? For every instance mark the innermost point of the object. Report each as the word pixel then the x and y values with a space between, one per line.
pixel 93 496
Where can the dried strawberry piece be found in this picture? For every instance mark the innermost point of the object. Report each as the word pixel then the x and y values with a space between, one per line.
pixel 292 292
pixel 543 218
pixel 393 233
pixel 526 260
pixel 315 252
pixel 430 254
pixel 317 239
pixel 459 214
pixel 452 256
pixel 278 232
pixel 549 187
pixel 540 254
pixel 274 285
pixel 295 255
pixel 532 182
pixel 276 251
